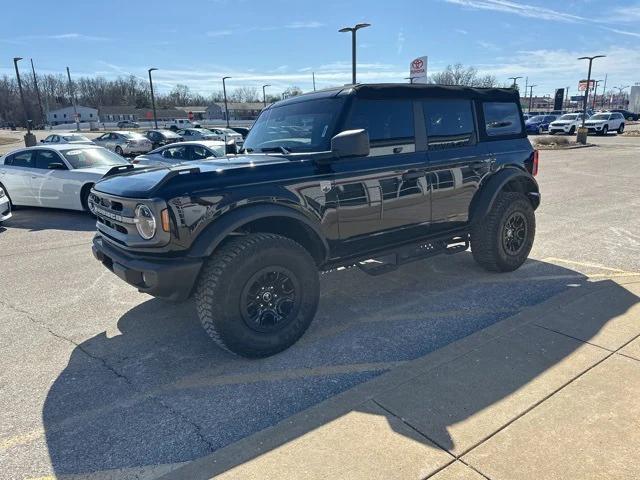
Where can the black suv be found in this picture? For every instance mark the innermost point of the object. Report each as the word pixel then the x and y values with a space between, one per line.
pixel 389 172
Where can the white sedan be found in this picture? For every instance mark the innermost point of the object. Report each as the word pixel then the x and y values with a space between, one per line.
pixel 227 135
pixel 55 176
pixel 5 206
pixel 124 143
pixel 182 152
pixel 568 123
pixel 74 138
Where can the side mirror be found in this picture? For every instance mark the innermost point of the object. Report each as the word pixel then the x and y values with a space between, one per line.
pixel 57 166
pixel 351 143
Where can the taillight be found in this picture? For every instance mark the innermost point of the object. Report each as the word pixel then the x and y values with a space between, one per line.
pixel 534 167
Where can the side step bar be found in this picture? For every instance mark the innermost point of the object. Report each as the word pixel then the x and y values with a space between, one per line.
pixel 411 253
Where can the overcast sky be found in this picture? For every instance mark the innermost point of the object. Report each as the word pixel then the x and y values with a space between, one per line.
pixel 280 42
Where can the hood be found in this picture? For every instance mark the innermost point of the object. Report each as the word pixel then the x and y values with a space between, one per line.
pixel 145 182
pixel 93 170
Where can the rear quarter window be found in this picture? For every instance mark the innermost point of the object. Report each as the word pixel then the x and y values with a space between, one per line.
pixel 385 120
pixel 502 119
pixel 449 123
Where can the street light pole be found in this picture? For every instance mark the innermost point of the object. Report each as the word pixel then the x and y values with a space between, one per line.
pixel 586 93
pixel 226 108
pixel 35 83
pixel 515 81
pixel 24 104
pixel 153 100
pixel 604 89
pixel 595 93
pixel 73 101
pixel 353 31
pixel 531 96
pixel 264 94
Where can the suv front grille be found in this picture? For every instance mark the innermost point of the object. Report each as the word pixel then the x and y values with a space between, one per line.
pixel 115 217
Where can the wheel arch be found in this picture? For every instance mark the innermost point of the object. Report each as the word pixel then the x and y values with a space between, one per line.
pixel 508 179
pixel 275 219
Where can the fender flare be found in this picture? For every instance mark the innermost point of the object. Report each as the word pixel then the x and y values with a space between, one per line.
pixel 488 192
pixel 209 239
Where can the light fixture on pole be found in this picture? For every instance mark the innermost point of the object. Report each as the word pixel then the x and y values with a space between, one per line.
pixel 153 100
pixel 353 31
pixel 515 81
pixel 582 135
pixel 224 91
pixel 264 94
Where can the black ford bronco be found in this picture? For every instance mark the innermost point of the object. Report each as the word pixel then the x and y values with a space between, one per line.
pixel 388 172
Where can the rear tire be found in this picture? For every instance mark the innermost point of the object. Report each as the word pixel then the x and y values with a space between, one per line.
pixel 257 295
pixel 501 242
pixel 621 128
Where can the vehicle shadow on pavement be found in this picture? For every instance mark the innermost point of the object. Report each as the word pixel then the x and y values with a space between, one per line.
pixel 161 393
pixel 36 219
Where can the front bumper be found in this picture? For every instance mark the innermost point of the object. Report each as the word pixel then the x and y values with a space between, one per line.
pixel 172 278
pixel 594 128
pixel 5 209
pixel 560 128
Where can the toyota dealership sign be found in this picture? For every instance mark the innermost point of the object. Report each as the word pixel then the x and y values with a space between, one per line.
pixel 418 70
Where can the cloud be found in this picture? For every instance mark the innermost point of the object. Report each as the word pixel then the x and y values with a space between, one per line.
pixel 623 32
pixel 461 31
pixel 66 36
pixel 304 25
pixel 219 33
pixel 238 29
pixel 523 10
pixel 400 41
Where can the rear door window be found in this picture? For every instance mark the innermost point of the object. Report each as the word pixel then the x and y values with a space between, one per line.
pixel 449 123
pixel 502 119
pixel 24 159
pixel 45 157
pixel 387 121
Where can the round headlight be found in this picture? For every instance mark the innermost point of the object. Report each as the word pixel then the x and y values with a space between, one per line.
pixel 145 222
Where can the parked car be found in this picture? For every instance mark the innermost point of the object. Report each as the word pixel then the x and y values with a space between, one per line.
pixel 188 134
pixel 74 138
pixel 450 167
pixel 241 130
pixel 127 124
pixel 56 176
pixel 124 143
pixel 159 138
pixel 603 123
pixel 182 152
pixel 628 115
pixel 227 135
pixel 539 124
pixel 568 123
pixel 5 206
pixel 180 124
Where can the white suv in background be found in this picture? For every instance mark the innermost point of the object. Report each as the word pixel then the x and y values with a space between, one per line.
pixel 605 122
pixel 567 123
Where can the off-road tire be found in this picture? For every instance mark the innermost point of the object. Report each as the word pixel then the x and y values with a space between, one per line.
pixel 487 243
pixel 228 273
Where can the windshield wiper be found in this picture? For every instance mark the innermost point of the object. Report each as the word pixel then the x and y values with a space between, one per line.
pixel 279 148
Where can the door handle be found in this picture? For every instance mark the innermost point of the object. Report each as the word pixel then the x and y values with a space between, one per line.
pixel 412 175
pixel 397 149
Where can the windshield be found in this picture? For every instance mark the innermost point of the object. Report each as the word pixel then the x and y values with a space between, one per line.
pixel 568 117
pixel 537 118
pixel 75 138
pixel 93 157
pixel 600 116
pixel 134 136
pixel 305 126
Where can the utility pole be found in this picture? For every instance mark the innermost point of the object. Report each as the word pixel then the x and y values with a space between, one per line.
pixel 566 95
pixel 526 85
pixel 595 93
pixel 153 100
pixel 531 96
pixel 73 101
pixel 353 31
pixel 604 89
pixel 226 108
pixel 515 81
pixel 582 133
pixel 313 75
pixel 29 138
pixel 35 83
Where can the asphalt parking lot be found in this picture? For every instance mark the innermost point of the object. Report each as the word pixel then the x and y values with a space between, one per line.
pixel 98 379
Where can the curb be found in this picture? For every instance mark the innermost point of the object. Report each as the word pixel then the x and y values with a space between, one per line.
pixel 297 425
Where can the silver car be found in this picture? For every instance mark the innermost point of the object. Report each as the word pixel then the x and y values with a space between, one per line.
pixel 227 135
pixel 124 143
pixel 5 206
pixel 75 138
pixel 189 134
pixel 182 152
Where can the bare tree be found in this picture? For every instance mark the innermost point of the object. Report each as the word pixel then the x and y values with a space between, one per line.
pixel 458 74
pixel 292 91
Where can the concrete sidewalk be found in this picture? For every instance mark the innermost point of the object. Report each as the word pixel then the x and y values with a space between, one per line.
pixel 549 393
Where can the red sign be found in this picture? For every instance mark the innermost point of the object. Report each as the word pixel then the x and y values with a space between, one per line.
pixel 582 85
pixel 417 64
pixel 149 114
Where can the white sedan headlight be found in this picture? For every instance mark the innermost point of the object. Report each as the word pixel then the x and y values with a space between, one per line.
pixel 145 222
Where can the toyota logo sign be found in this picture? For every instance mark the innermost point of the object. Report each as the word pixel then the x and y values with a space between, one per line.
pixel 417 64
pixel 418 70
